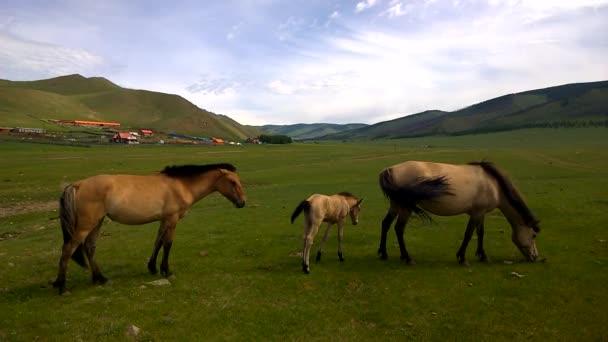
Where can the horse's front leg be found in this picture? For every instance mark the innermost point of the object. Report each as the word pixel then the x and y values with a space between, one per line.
pixel 480 251
pixel 471 226
pixel 386 225
pixel 158 243
pixel 167 243
pixel 325 236
pixel 164 238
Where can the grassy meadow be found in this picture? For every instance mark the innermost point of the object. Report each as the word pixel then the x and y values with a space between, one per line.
pixel 238 273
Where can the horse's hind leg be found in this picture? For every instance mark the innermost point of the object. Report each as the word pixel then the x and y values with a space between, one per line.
pixel 471 226
pixel 386 225
pixel 480 251
pixel 402 219
pixel 67 251
pixel 90 245
pixel 325 236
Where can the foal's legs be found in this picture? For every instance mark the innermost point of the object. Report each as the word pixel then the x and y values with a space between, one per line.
pixel 480 252
pixel 325 236
pixel 386 225
pixel 89 248
pixel 310 231
pixel 164 238
pixel 474 222
pixel 402 219
pixel 340 238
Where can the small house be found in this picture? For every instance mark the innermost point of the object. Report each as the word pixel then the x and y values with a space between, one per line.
pixel 124 138
pixel 146 132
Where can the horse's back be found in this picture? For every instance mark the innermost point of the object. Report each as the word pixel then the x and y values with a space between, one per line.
pixel 471 189
pixel 128 199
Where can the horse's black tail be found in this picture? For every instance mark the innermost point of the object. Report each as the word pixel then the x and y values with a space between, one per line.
pixel 409 195
pixel 67 215
pixel 304 205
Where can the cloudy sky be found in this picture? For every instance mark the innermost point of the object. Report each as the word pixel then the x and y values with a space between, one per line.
pixel 292 61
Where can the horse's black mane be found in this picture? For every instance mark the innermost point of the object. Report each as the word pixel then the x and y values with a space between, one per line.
pixel 510 192
pixel 193 170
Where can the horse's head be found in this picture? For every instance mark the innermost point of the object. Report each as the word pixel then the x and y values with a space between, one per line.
pixel 354 212
pixel 229 185
pixel 524 238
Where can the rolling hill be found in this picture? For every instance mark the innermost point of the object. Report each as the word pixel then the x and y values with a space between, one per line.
pixel 308 131
pixel 25 103
pixel 570 104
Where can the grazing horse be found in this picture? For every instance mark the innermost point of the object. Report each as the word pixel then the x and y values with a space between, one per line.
pixel 331 209
pixel 445 189
pixel 135 200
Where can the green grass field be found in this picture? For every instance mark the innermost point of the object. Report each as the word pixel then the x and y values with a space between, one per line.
pixel 238 276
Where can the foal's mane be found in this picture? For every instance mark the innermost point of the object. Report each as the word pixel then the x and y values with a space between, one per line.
pixel 182 171
pixel 511 193
pixel 348 194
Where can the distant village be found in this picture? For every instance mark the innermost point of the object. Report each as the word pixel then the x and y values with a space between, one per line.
pixel 111 132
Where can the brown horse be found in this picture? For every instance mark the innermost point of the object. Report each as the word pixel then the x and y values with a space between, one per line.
pixel 445 189
pixel 134 200
pixel 331 209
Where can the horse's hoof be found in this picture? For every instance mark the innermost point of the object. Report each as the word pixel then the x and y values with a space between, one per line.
pixel 340 257
pixel 152 268
pixel 305 269
pixel 99 280
pixel 166 273
pixel 383 257
pixel 318 258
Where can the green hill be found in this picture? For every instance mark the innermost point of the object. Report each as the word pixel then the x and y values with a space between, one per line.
pixel 95 98
pixel 565 105
pixel 309 131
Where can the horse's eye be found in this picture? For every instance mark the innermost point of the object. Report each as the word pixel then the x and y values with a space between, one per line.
pixel 534 236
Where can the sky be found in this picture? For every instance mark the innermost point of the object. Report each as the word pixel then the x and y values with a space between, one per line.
pixel 309 61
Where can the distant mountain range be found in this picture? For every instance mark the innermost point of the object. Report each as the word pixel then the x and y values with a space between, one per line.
pixel 25 103
pixel 309 131
pixel 576 104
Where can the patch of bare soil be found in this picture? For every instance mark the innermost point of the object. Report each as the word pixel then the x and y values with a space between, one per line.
pixel 27 207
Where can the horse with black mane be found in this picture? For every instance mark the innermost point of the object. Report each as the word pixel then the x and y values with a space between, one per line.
pixel 416 187
pixel 332 209
pixel 134 200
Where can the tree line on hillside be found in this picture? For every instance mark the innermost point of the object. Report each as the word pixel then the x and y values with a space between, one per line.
pixel 275 139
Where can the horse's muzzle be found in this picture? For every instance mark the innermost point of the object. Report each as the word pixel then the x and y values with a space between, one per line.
pixel 239 204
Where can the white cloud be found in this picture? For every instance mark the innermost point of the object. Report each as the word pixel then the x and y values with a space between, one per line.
pixel 397 9
pixel 280 87
pixel 234 31
pixel 364 5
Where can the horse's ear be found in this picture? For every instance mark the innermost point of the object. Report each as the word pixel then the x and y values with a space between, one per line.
pixel 360 201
